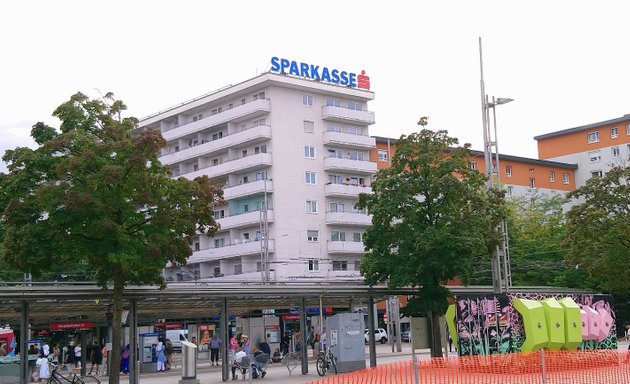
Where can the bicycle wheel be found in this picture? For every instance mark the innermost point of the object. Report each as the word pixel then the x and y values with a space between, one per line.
pixel 53 380
pixel 321 365
pixel 333 362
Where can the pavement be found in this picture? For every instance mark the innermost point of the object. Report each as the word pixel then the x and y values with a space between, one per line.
pixel 278 373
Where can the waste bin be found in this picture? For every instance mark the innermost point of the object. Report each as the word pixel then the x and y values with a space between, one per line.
pixel 189 362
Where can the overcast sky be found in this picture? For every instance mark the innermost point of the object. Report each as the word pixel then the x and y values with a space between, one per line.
pixel 566 63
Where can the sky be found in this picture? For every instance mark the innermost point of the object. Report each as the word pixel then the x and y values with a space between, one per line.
pixel 565 63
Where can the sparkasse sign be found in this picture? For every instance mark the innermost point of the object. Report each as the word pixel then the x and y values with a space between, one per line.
pixel 315 72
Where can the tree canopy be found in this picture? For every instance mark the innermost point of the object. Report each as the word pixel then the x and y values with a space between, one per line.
pixel 94 194
pixel 598 230
pixel 432 216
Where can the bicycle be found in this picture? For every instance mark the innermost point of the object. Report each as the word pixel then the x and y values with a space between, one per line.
pixel 58 378
pixel 325 362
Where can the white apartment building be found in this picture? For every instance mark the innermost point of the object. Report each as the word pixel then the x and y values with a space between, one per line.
pixel 292 155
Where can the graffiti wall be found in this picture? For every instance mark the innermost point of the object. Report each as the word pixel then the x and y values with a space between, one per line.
pixel 491 324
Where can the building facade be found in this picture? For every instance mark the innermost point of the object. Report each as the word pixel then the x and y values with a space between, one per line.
pixel 594 147
pixel 292 156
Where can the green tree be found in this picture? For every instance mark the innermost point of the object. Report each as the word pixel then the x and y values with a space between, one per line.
pixel 94 194
pixel 598 230
pixel 431 216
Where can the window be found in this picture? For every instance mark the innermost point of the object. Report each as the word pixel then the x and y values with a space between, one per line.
pixel 217 136
pixel 615 151
pixel 260 149
pixel 532 182
pixel 594 156
pixel 335 153
pixel 565 178
pixel 177 148
pixel 217 272
pixel 355 130
pixel 309 126
pixel 354 105
pixel 383 155
pixel 260 95
pixel 337 236
pixel 340 265
pixel 218 243
pixel 214 111
pixel 311 206
pixel 197 117
pixel 197 246
pixel 355 155
pixel 312 236
pixel 259 122
pixel 313 265
pixel 356 237
pixel 258 266
pixel 246 237
pixel 330 101
pixel 510 190
pixel 244 152
pixel 245 179
pixel 473 165
pixel 597 173
pixel 310 177
pixel 333 127
pixel 335 179
pixel 614 132
pixel 593 137
pixel 261 175
pixel 552 176
pixel 243 101
pixel 195 167
pixel 307 100
pixel 230 106
pixel 508 171
pixel 357 265
pixel 238 269
pixel 309 152
pixel 337 207
pixel 219 214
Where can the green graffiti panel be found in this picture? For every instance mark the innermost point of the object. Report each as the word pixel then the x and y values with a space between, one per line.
pixel 450 321
pixel 534 323
pixel 554 316
pixel 573 323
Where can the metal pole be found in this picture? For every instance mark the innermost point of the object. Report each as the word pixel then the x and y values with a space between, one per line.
pixel 24 334
pixel 304 351
pixel 414 360
pixel 542 359
pixel 225 334
pixel 134 375
pixel 370 327
pixel 266 239
pixel 321 323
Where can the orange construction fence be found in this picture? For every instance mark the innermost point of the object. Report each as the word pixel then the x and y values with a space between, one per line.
pixel 549 367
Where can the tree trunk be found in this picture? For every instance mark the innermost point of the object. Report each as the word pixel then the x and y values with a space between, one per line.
pixel 436 335
pixel 114 355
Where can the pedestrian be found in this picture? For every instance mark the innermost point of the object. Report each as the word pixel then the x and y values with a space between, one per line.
pixel 215 344
pixel 161 356
pixel 313 339
pixel 124 360
pixel 77 353
pixel 233 347
pixel 245 345
pixel 169 353
pixel 96 356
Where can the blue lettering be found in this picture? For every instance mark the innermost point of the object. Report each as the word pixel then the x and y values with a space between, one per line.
pixel 344 78
pixel 284 64
pixel 294 69
pixel 304 70
pixel 325 74
pixel 352 80
pixel 335 76
pixel 315 72
pixel 275 66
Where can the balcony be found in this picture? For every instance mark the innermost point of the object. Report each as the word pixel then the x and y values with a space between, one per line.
pixel 257 187
pixel 247 163
pixel 349 165
pixel 346 115
pixel 354 247
pixel 237 114
pixel 348 140
pixel 345 190
pixel 245 248
pixel 252 135
pixel 348 218
pixel 244 220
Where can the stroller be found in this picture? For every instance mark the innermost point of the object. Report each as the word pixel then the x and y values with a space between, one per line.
pixel 259 365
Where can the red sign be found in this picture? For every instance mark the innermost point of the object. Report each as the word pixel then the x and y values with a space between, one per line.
pixel 72 325
pixel 290 317
pixel 169 325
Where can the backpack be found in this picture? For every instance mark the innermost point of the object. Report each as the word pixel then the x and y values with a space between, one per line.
pixel 316 337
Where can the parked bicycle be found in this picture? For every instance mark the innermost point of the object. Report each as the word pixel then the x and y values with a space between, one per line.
pixel 325 362
pixel 57 378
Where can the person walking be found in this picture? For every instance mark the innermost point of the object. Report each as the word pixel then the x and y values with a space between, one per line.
pixel 169 354
pixel 233 347
pixel 96 357
pixel 161 356
pixel 124 360
pixel 215 344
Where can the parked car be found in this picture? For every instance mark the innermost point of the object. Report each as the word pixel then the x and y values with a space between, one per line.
pixel 406 336
pixel 380 335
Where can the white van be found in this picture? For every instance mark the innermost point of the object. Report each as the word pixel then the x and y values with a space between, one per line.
pixel 176 336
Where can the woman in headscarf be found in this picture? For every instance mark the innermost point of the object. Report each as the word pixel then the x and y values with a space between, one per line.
pixel 161 356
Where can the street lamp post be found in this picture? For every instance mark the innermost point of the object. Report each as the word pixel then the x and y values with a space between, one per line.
pixel 501 274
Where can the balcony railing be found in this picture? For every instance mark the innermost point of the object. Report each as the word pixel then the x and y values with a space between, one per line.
pixel 253 134
pixel 242 248
pixel 341 114
pixel 246 189
pixel 348 218
pixel 345 247
pixel 251 162
pixel 345 190
pixel 348 140
pixel 236 114
pixel 354 166
pixel 244 219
